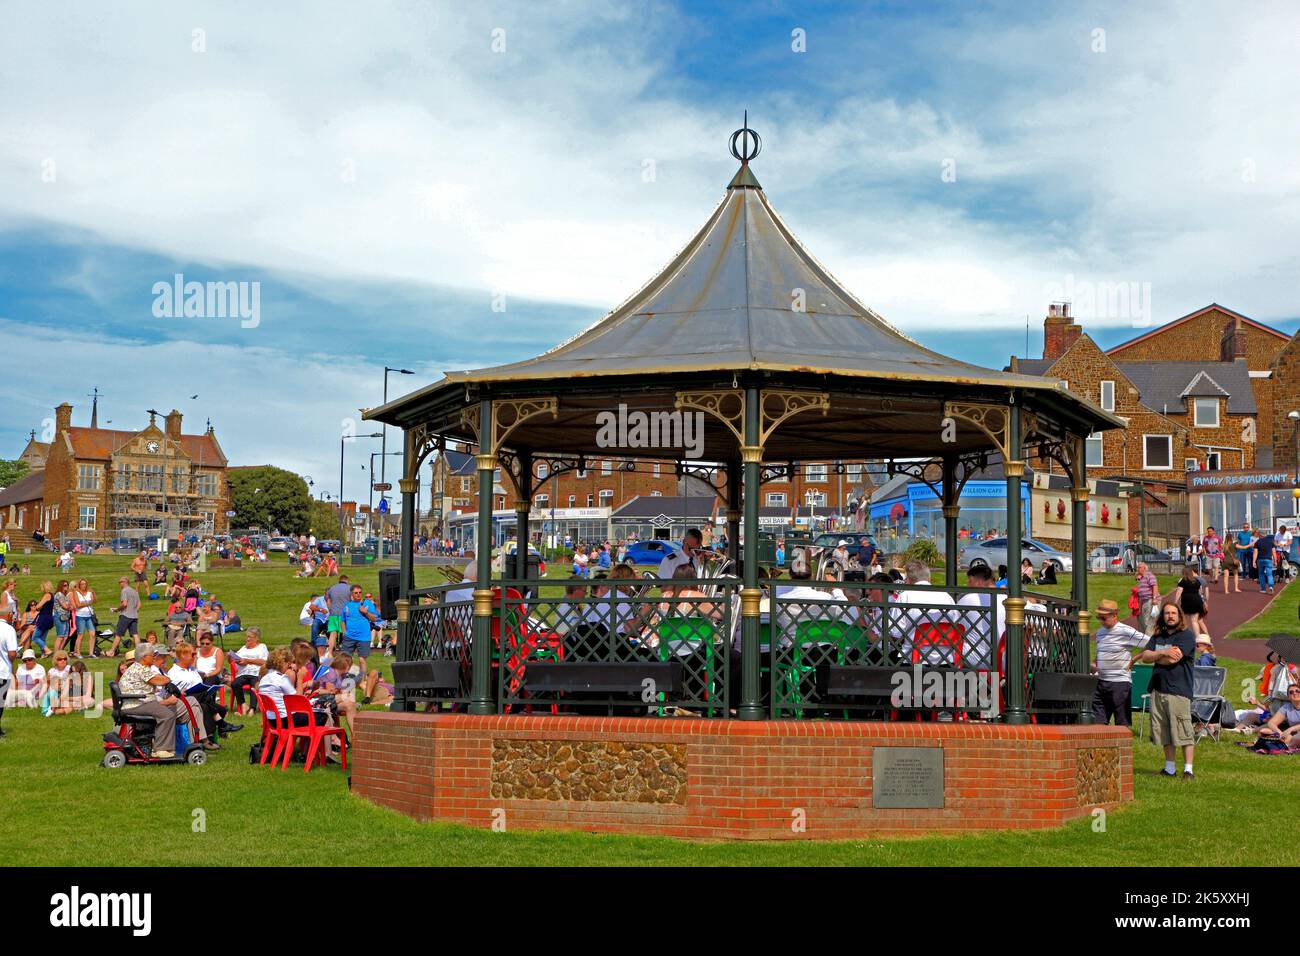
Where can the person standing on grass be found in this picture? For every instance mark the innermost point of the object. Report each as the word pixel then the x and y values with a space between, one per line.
pixel 44 622
pixel 140 568
pixel 128 615
pixel 336 597
pixel 1172 650
pixel 83 599
pixel 1113 666
pixel 8 657
pixel 1148 593
pixel 357 620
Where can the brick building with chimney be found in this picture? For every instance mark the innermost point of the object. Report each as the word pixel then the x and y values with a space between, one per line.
pixel 102 483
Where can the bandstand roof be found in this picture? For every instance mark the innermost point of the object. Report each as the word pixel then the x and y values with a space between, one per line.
pixel 745 298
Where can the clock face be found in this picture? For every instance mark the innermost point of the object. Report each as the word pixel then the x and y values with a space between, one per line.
pixel 152 447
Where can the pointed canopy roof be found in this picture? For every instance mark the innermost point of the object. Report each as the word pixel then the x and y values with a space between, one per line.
pixel 744 294
pixel 744 300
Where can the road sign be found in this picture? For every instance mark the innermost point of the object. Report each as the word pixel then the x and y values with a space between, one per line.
pixel 382 486
pixel 230 514
pixel 383 506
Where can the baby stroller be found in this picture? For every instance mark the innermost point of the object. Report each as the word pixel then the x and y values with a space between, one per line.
pixel 132 741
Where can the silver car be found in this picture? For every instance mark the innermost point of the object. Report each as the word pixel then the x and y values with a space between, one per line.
pixel 993 553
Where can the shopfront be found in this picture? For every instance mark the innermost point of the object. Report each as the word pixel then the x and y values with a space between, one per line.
pixel 566 527
pixel 917 512
pixel 1235 499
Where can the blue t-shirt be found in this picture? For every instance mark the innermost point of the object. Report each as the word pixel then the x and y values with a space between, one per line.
pixel 1243 538
pixel 369 605
pixel 355 624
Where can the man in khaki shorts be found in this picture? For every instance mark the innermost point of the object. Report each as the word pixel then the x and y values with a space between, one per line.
pixel 1172 650
pixel 1212 547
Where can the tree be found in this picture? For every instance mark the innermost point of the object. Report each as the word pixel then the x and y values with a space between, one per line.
pixel 11 471
pixel 269 498
pixel 324 521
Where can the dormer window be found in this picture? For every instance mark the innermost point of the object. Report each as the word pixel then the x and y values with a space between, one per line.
pixel 1205 412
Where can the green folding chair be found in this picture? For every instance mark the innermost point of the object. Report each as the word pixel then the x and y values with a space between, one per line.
pixel 1140 695
pixel 697 633
pixel 819 631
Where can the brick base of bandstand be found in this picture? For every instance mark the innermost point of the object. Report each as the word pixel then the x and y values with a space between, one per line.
pixel 732 779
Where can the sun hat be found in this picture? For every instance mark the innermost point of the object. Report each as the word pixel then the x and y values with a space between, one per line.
pixel 1107 606
pixel 1203 639
pixel 29 655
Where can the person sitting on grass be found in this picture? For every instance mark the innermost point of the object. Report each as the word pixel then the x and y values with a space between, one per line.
pixel 249 660
pixel 1205 656
pixel 78 691
pixel 28 682
pixel 229 621
pixel 337 680
pixel 280 679
pixel 1285 723
pixel 56 679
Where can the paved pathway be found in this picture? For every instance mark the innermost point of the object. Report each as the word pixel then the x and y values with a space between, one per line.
pixel 1230 611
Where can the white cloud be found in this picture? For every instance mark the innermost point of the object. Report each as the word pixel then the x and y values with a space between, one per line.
pixel 522 171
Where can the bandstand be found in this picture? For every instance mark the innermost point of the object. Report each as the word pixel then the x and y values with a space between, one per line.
pixel 733 706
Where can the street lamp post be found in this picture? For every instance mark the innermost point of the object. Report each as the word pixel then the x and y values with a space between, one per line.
pixel 371 519
pixel 343 444
pixel 383 472
pixel 1295 448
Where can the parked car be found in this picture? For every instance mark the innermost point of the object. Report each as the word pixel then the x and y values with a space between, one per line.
pixel 328 544
pixel 651 551
pixel 832 539
pixel 993 553
pixel 281 543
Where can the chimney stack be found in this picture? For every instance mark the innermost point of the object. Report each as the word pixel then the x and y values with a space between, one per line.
pixel 1233 344
pixel 1059 331
pixel 62 418
pixel 174 425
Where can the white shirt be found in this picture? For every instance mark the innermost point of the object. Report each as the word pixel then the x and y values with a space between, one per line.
pixel 979 645
pixel 184 677
pixel 80 596
pixel 254 653
pixel 8 644
pixel 275 685
pixel 207 666
pixel 675 560
pixel 27 679
pixel 789 617
pixel 1113 655
pixel 905 621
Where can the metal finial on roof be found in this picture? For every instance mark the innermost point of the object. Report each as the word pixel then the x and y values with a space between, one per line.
pixel 750 143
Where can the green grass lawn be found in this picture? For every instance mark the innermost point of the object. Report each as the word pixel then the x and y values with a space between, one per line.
pixel 66 809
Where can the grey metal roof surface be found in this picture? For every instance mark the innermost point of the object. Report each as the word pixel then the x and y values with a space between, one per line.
pixel 731 300
pixel 1162 385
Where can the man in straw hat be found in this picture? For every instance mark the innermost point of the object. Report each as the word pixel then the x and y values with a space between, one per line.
pixel 1115 642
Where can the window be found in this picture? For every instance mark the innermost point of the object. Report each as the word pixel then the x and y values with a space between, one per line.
pixel 205 483
pixel 591 500
pixel 815 472
pixel 1093 451
pixel 656 469
pixel 855 472
pixel 542 501
pixel 656 494
pixel 606 498
pixel 776 499
pixel 573 500
pixel 1157 452
pixel 496 475
pixel 816 498
pixel 464 485
pixel 580 473
pixel 542 470
pixel 1205 413
pixel 179 480
pixel 1191 464
pixel 88 477
pixel 1212 462
pixel 606 467
pixel 151 478
pixel 86 518
pixel 1108 396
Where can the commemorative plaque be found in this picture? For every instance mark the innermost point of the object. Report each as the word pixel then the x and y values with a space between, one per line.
pixel 907 778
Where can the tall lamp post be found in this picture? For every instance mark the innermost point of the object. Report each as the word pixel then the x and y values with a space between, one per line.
pixel 1295 448
pixel 343 445
pixel 383 472
pixel 373 456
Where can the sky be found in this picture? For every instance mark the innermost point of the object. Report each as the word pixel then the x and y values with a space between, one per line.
pixel 440 186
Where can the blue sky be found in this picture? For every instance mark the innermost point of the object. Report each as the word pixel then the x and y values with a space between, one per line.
pixel 444 186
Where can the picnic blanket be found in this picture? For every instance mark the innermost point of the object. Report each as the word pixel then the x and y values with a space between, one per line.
pixel 1267 747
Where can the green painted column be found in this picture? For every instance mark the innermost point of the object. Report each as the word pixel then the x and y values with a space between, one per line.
pixel 751 454
pixel 1079 559
pixel 1014 469
pixel 480 695
pixel 950 512
pixel 406 565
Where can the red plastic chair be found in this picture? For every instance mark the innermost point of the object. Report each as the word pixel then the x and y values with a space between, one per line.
pixel 944 637
pixel 315 733
pixel 273 728
pixel 522 643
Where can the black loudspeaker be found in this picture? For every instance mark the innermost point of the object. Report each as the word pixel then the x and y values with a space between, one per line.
pixel 389 584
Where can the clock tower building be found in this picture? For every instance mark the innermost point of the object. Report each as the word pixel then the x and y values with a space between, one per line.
pixel 104 484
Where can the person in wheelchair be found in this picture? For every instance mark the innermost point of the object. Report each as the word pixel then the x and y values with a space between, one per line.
pixel 140 685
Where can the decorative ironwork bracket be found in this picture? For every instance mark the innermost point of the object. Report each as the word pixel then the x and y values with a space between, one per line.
pixel 728 407
pixel 420 443
pixel 994 421
pixel 708 474
pixel 507 415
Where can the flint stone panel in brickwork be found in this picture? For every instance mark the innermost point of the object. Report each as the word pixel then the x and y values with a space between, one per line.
pixel 606 771
pixel 1097 771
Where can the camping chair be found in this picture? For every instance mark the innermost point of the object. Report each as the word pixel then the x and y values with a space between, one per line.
pixel 1207 701
pixel 1140 695
pixel 314 733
